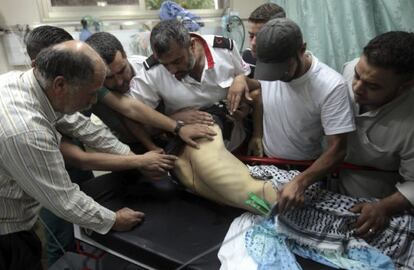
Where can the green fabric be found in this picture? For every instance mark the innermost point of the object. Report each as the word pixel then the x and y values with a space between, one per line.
pixel 337 30
pixel 102 92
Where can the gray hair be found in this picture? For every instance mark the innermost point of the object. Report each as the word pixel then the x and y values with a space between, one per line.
pixel 76 67
pixel 165 32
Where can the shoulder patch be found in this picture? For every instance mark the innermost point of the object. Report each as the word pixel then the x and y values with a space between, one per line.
pixel 150 62
pixel 223 43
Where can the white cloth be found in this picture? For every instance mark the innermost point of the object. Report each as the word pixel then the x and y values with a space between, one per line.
pixel 296 115
pixel 32 170
pixel 384 140
pixel 156 84
pixel 233 253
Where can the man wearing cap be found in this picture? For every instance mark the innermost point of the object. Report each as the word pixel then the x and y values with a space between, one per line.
pixel 303 102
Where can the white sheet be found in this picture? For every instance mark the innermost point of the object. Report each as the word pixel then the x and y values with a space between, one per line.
pixel 233 254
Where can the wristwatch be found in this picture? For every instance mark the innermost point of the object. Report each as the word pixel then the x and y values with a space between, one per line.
pixel 179 125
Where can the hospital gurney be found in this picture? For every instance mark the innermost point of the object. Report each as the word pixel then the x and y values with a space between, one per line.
pixel 178 225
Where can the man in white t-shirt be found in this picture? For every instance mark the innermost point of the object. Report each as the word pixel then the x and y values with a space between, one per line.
pixel 302 102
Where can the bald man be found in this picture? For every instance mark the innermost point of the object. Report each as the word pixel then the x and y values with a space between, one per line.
pixel 34 105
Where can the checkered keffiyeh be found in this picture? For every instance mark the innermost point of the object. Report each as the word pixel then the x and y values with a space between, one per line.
pixel 323 222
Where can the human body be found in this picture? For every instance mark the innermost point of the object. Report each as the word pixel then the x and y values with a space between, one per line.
pixel 302 102
pixel 382 90
pixel 122 113
pixel 189 73
pixel 35 104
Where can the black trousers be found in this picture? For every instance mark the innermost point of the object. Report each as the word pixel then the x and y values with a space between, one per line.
pixel 21 250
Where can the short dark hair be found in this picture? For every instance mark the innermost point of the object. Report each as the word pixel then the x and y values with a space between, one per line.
pixel 165 32
pixel 76 67
pixel 44 36
pixel 266 12
pixel 392 50
pixel 106 45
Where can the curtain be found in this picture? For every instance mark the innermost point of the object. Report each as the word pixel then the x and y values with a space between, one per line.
pixel 336 30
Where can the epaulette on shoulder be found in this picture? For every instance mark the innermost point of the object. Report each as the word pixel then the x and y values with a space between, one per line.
pixel 223 43
pixel 150 62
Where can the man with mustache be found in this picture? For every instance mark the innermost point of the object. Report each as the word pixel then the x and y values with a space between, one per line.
pixel 189 72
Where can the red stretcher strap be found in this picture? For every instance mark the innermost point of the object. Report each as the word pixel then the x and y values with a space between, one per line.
pixel 305 163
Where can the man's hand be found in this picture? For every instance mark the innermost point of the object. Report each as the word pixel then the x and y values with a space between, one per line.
pixel 189 133
pixel 156 163
pixel 236 91
pixel 255 147
pixel 241 113
pixel 192 115
pixel 292 195
pixel 126 219
pixel 373 219
pixel 156 148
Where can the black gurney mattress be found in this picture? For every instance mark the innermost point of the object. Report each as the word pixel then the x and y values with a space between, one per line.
pixel 178 225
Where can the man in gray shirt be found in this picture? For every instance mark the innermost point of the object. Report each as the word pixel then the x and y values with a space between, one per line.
pixel 382 81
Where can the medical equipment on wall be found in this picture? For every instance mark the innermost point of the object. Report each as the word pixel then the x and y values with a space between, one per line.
pixel 171 10
pixel 14 44
pixel 90 25
pixel 233 28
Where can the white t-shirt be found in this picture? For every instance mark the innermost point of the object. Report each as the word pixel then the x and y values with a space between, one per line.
pixel 296 115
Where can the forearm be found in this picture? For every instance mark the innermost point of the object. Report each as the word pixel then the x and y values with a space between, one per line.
pixel 98 137
pixel 140 133
pixel 330 158
pixel 395 204
pixel 78 158
pixel 137 111
pixel 252 84
pixel 257 114
pixel 109 162
pixel 153 118
pixel 49 183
